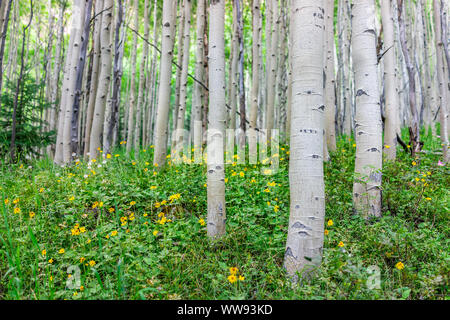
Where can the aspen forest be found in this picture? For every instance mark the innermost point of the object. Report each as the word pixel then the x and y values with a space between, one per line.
pixel 224 149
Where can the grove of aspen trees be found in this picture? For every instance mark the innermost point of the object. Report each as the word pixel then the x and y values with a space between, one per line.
pixel 224 149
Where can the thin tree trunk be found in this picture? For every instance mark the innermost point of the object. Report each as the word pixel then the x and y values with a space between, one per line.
pixel 414 129
pixel 330 96
pixel 78 82
pixel 390 83
pixel 197 98
pixel 140 101
pixel 256 65
pixel 132 101
pixel 95 74
pixel 442 80
pixel 217 116
pixel 118 60
pixel 104 80
pixel 4 30
pixel 368 124
pixel 12 148
pixel 165 74
pixel 179 132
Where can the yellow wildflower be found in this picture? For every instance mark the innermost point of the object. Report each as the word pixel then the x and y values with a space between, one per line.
pixel 399 265
pixel 232 278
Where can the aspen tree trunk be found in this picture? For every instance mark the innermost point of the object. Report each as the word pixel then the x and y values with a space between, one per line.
pixel 216 119
pixel 240 32
pixel 74 128
pixel 117 71
pixel 256 65
pixel 132 101
pixel 390 83
pixel 65 94
pixel 368 125
pixel 233 77
pixel 95 74
pixel 12 148
pixel 206 66
pixel 72 78
pixel 180 52
pixel 139 109
pixel 104 79
pixel 414 128
pixel 179 132
pixel 4 29
pixel 153 78
pixel 165 74
pixel 281 76
pixel 197 98
pixel 304 244
pixel 428 101
pixel 56 76
pixel 442 80
pixel 272 70
pixel 330 96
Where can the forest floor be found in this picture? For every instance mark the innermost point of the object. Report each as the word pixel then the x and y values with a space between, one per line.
pixel 115 229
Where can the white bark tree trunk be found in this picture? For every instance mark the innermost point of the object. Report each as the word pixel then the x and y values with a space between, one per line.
pixel 390 83
pixel 307 207
pixel 256 65
pixel 104 79
pixel 217 117
pixel 165 74
pixel 442 81
pixel 330 96
pixel 368 125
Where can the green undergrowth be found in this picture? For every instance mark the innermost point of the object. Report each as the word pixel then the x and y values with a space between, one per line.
pixel 130 232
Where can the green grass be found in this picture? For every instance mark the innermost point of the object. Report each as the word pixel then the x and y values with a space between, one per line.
pixel 169 256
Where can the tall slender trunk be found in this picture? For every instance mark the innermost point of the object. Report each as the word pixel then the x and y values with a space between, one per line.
pixel 165 74
pixel 179 61
pixel 368 124
pixel 132 101
pixel 390 83
pixel 442 80
pixel 12 148
pixel 330 96
pixel 56 76
pixel 95 74
pixel 4 30
pixel 104 80
pixel 118 60
pixel 72 79
pixel 271 69
pixel 140 101
pixel 179 132
pixel 414 128
pixel 304 245
pixel 216 131
pixel 256 65
pixel 197 98
pixel 240 30
pixel 74 128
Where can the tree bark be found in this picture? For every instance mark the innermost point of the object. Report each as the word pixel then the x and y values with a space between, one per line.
pixel 390 83
pixel 216 131
pixel 304 244
pixel 104 80
pixel 442 80
pixel 368 125
pixel 330 96
pixel 165 74
pixel 256 65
